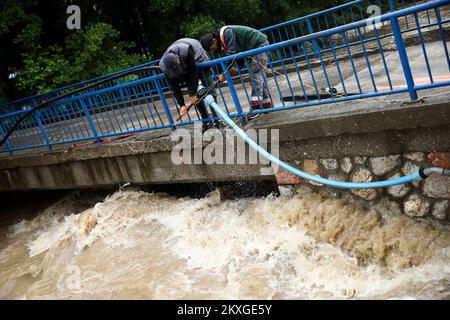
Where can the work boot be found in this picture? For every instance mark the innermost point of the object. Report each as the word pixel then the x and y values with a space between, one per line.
pixel 266 103
pixel 206 126
pixel 218 124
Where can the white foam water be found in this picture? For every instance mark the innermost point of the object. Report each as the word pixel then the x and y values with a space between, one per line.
pixel 138 245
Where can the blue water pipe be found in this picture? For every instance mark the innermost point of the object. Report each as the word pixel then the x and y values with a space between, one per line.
pixel 417 175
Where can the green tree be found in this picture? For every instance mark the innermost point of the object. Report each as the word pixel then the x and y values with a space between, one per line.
pixel 92 51
pixel 36 45
pixel 199 25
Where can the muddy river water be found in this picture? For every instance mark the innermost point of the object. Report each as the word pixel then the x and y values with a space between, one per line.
pixel 138 245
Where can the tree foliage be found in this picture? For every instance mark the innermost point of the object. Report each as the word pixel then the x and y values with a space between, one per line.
pixel 199 25
pixel 90 52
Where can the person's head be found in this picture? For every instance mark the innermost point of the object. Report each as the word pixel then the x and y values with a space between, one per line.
pixel 171 65
pixel 211 42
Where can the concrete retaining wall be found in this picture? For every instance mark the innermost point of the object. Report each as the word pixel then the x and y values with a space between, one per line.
pixel 417 199
pixel 371 147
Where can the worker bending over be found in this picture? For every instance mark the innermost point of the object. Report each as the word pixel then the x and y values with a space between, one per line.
pixel 233 39
pixel 179 64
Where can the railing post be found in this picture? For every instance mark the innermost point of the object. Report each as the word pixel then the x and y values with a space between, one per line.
pixel 33 102
pixel 403 58
pixel 314 42
pixel 37 116
pixel 391 5
pixel 165 104
pixel 8 147
pixel 236 101
pixel 91 122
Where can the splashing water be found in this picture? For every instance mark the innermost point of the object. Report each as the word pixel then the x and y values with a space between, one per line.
pixel 138 245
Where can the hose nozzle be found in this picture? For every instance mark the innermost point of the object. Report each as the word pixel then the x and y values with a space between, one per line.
pixel 426 172
pixel 201 92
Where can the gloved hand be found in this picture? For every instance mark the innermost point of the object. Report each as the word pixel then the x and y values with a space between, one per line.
pixel 232 71
pixel 183 111
pixel 222 77
pixel 194 101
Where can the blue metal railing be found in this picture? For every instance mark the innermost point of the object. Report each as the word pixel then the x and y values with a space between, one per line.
pixel 30 102
pixel 341 35
pixel 333 17
pixel 295 79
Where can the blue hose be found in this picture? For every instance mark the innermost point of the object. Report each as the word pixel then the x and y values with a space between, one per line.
pixel 415 176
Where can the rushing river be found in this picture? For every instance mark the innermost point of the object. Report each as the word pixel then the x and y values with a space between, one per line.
pixel 138 245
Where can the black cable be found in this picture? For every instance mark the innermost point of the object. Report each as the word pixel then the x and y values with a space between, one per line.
pixel 46 103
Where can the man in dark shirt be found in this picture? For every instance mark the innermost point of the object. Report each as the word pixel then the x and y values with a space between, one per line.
pixel 179 63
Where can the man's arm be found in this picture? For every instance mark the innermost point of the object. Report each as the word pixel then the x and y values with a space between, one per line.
pixel 230 42
pixel 175 84
pixel 192 74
